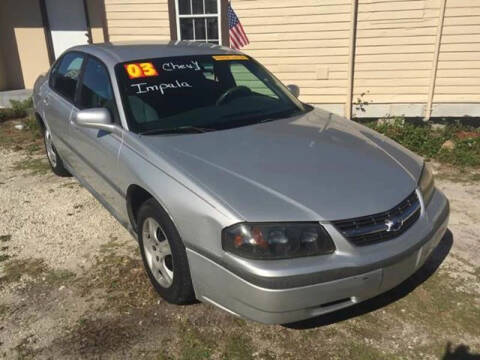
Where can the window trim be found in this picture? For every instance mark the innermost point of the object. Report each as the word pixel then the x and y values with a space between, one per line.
pixel 57 63
pixel 175 35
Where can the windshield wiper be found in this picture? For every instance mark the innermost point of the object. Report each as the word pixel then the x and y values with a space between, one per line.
pixel 177 130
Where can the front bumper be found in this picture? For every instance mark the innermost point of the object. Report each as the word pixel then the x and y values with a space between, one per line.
pixel 272 299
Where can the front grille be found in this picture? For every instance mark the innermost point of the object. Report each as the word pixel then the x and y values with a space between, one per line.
pixel 367 230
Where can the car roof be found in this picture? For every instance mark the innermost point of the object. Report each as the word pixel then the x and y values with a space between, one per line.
pixel 117 52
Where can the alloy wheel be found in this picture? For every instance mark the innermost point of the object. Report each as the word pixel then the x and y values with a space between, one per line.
pixel 157 252
pixel 52 156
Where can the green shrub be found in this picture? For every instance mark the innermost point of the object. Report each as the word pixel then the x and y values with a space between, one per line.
pixel 425 141
pixel 22 105
pixel 6 114
pixel 18 109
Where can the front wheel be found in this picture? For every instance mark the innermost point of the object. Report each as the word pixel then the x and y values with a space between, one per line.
pixel 54 159
pixel 163 254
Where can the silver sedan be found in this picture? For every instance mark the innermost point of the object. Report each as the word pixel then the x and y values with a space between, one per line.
pixel 239 194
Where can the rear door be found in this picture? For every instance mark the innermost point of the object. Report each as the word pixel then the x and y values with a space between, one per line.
pixel 96 151
pixel 59 100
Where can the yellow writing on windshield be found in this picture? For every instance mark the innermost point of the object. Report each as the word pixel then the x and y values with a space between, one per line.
pixel 139 70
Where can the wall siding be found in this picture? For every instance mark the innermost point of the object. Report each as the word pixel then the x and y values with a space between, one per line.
pixel 395 43
pixel 304 42
pixel 458 74
pixel 137 20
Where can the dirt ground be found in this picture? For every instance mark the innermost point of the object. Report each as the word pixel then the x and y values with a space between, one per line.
pixel 72 286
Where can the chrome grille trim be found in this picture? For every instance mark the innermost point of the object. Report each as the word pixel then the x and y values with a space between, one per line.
pixel 371 229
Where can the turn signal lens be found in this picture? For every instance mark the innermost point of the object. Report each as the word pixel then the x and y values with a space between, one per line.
pixel 426 184
pixel 277 240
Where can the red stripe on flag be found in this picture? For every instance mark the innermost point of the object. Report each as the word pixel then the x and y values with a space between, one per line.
pixel 244 35
pixel 237 36
pixel 233 40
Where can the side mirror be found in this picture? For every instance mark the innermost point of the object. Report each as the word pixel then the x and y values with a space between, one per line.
pixel 294 89
pixel 96 118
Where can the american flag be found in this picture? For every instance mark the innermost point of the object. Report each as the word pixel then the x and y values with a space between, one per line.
pixel 238 38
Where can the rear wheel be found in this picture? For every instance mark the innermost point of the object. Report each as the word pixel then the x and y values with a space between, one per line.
pixel 54 159
pixel 163 254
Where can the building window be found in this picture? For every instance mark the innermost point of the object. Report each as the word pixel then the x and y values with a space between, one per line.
pixel 199 20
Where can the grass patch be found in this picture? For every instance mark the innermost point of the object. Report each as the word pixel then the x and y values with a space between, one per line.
pixel 30 137
pixel 35 269
pixel 3 310
pixel 426 141
pixel 475 177
pixel 440 306
pixel 15 269
pixel 94 337
pixel 34 166
pixel 54 277
pixel 458 174
pixel 5 238
pixel 125 284
pixel 4 257
pixel 195 345
pixel 33 148
pixel 238 347
pixel 359 351
pixel 25 348
pixel 70 185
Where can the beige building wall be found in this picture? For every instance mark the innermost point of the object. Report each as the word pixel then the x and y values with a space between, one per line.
pixel 33 53
pixel 137 19
pixel 395 46
pixel 23 43
pixel 305 42
pixel 458 75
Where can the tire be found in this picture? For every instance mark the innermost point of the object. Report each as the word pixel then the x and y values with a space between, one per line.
pixel 163 254
pixel 53 157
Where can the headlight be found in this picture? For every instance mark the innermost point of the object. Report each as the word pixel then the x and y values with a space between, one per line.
pixel 426 184
pixel 277 240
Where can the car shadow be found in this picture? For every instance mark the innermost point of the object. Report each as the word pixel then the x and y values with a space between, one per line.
pixel 431 265
pixel 461 352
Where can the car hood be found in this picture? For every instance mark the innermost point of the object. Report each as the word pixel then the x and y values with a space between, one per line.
pixel 311 167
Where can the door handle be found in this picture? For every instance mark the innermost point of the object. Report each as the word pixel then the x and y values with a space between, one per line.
pixel 45 100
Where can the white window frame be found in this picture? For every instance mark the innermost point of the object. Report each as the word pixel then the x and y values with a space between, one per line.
pixel 191 16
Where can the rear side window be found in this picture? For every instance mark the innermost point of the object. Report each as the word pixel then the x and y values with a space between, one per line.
pixel 95 89
pixel 65 75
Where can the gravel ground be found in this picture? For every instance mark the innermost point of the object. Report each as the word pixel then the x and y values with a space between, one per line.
pixel 72 286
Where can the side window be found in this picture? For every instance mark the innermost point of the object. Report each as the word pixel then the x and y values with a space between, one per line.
pixel 95 88
pixel 65 75
pixel 244 77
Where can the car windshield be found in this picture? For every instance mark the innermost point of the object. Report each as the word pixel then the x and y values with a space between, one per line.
pixel 201 93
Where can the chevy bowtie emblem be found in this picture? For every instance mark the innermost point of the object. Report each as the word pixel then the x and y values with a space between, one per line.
pixel 393 224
